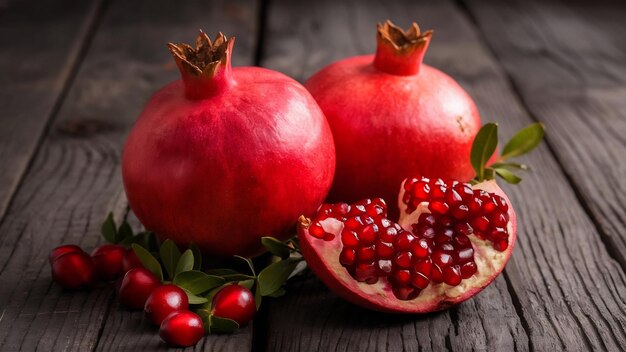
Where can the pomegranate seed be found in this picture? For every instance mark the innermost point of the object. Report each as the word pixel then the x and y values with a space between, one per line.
pixel 463 228
pixel 385 266
pixel 500 220
pixel 420 281
pixel 475 205
pixel 468 269
pixel 353 223
pixel 460 212
pixel 435 275
pixel 360 207
pixel 453 197
pixel 366 272
pixel 428 219
pixel 439 191
pixel 384 250
pixel 349 238
pixel 452 275
pixel 389 234
pixel 425 231
pixel 466 254
pixel 368 233
pixel 421 190
pixel 402 277
pixel 403 259
pixel 444 221
pixel 403 241
pixel 438 207
pixel 409 184
pixel 480 223
pixel 423 266
pixel 366 254
pixel 420 248
pixel 442 258
pixel 462 241
pixel 316 230
pixel 464 190
pixel 405 293
pixel 347 257
pixel 441 239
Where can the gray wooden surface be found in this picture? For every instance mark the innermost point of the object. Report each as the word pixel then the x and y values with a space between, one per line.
pixel 75 75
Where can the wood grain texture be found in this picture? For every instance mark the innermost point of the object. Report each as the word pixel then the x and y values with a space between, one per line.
pixel 75 178
pixel 35 66
pixel 567 62
pixel 563 291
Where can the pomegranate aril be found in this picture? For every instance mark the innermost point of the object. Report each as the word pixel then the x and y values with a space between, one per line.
pixel 408 184
pixel 464 190
pixel 384 250
pixel 475 205
pixel 405 293
pixel 316 230
pixel 435 274
pixel 420 248
pixel 501 245
pixel 453 197
pixel 423 266
pixel 353 223
pixel 420 281
pixel 465 254
pixel 403 259
pixel 341 209
pixel 349 238
pixel 364 254
pixel 438 191
pixel 480 223
pixel 463 228
pixel 499 220
pixel 438 207
pixel 442 258
pixel 366 272
pixel 403 241
pixel 424 231
pixel 468 269
pixel 402 277
pixel 462 241
pixel 426 218
pixel 441 239
pixel 347 257
pixel 421 190
pixel 389 234
pixel 460 212
pixel 452 275
pixel 385 266
pixel 368 234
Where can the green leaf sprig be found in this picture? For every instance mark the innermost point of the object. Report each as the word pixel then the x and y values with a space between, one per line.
pixel 485 144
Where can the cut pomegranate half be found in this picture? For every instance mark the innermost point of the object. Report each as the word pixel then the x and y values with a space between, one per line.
pixel 451 241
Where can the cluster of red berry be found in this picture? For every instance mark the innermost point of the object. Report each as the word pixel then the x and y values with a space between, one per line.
pixel 166 305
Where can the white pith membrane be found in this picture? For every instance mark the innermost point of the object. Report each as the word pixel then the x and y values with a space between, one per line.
pixel 379 296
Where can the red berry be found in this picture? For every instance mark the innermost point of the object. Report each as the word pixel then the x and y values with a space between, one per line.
pixel 234 302
pixel 182 329
pixel 73 270
pixel 108 261
pixel 131 260
pixel 137 285
pixel 164 301
pixel 59 251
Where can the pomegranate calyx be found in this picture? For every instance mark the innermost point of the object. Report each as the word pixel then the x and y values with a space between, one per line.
pixel 205 69
pixel 400 52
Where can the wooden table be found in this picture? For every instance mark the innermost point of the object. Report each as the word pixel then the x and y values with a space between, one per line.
pixel 75 75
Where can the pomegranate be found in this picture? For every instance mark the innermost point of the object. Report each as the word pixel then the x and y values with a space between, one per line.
pixel 234 302
pixel 73 270
pixel 108 259
pixel 388 104
pixel 182 329
pixel 164 301
pixel 136 286
pixel 60 250
pixel 225 145
pixel 450 242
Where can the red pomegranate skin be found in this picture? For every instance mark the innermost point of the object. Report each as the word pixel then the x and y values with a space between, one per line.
pixel 73 270
pixel 392 117
pixel 241 161
pixel 60 250
pixel 164 301
pixel 108 260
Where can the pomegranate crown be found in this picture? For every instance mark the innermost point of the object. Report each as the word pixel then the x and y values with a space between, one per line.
pixel 402 41
pixel 400 52
pixel 207 56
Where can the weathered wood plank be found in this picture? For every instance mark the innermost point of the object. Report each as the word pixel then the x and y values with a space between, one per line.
pixel 567 62
pixel 35 66
pixel 564 286
pixel 75 179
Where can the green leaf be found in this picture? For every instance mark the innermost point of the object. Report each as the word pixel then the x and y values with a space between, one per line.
pixel 170 254
pixel 108 229
pixel 193 299
pixel 148 260
pixel 483 147
pixel 279 293
pixel 223 325
pixel 249 262
pixel 523 141
pixel 275 275
pixel 185 263
pixel 197 256
pixel 276 247
pixel 221 272
pixel 197 282
pixel 205 315
pixel 247 283
pixel 258 297
pixel 510 166
pixel 124 232
pixel 238 277
pixel 508 176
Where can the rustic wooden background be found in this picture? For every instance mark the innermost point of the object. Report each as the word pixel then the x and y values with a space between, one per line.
pixel 74 76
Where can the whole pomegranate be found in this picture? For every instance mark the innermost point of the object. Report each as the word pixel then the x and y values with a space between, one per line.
pixel 182 329
pixel 451 241
pixel 108 259
pixel 136 286
pixel 226 155
pixel 164 301
pixel 393 117
pixel 234 302
pixel 73 269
